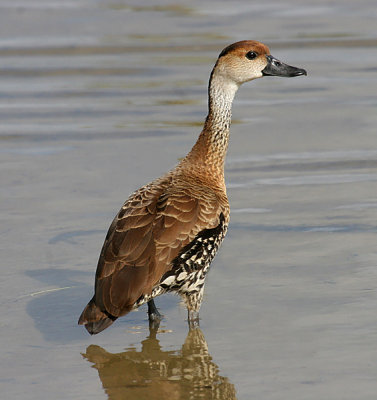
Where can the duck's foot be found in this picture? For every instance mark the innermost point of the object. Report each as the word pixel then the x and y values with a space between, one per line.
pixel 193 319
pixel 154 315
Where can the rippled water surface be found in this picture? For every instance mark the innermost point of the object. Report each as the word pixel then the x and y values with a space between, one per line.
pixel 98 97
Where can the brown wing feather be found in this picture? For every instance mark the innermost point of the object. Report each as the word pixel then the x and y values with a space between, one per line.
pixel 146 235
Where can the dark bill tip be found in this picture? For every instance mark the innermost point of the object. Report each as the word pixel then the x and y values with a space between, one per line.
pixel 275 67
pixel 300 71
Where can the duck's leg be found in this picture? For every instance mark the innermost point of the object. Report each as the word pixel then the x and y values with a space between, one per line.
pixel 193 302
pixel 193 319
pixel 153 314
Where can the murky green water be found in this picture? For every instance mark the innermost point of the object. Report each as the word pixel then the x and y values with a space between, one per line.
pixel 100 97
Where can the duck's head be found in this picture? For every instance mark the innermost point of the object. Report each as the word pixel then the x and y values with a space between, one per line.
pixel 247 60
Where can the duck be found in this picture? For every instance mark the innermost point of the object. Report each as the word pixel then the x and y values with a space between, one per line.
pixel 167 233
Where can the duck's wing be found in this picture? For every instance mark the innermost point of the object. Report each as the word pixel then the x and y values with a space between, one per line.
pixel 150 230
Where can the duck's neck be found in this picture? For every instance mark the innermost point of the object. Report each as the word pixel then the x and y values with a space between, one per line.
pixel 208 154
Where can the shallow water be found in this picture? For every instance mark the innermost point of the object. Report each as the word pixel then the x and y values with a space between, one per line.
pixel 99 97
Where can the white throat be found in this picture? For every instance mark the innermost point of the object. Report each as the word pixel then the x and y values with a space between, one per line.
pixel 221 94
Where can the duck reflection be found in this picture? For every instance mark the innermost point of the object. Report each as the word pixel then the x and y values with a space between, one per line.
pixel 155 374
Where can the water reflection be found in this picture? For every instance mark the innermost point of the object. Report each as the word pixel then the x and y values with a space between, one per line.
pixel 152 373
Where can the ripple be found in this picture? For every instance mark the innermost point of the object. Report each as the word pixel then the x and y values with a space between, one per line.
pixel 250 210
pixel 339 228
pixel 306 180
pixel 309 155
pixel 36 151
pixel 357 206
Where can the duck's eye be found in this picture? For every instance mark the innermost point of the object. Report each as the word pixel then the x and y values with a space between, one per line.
pixel 251 55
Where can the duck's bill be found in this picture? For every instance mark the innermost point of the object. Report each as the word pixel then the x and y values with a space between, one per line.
pixel 277 68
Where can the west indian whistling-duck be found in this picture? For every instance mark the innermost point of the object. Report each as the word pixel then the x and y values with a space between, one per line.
pixel 167 233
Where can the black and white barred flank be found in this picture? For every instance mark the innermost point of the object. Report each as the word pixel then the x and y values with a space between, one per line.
pixel 190 267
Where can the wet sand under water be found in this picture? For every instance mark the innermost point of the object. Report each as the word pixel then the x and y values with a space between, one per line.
pixel 98 98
